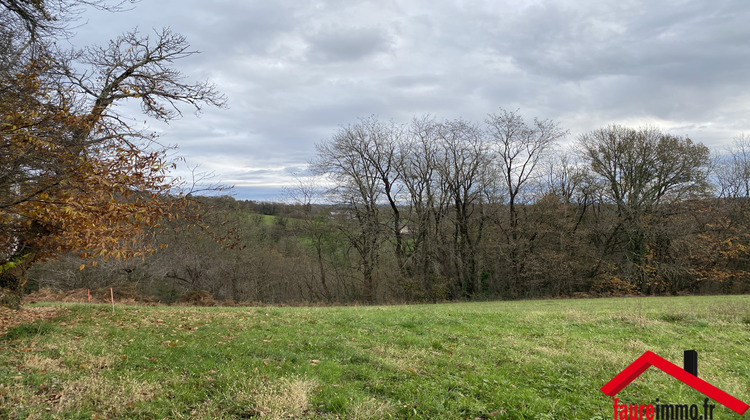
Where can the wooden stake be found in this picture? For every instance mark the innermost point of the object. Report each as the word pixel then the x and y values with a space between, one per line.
pixel 89 293
pixel 112 295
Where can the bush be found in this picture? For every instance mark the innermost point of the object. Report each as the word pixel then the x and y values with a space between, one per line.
pixel 9 299
pixel 197 298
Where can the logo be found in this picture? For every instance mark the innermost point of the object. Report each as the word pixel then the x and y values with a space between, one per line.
pixel 688 376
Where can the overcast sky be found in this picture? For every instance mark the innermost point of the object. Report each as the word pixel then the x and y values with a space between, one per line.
pixel 294 71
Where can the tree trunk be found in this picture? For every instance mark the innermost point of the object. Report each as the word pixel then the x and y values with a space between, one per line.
pixel 13 278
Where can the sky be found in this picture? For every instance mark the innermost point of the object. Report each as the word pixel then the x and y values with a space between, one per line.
pixel 295 71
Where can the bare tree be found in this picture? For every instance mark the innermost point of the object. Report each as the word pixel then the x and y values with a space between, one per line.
pixel 643 168
pixel 41 18
pixel 462 160
pixel 134 66
pixel 518 148
pixel 347 159
pixel 306 192
pixel 733 170
pixel 429 201
pixel 567 178
pixel 385 157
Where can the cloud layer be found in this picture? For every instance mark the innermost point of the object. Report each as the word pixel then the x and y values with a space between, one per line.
pixel 294 71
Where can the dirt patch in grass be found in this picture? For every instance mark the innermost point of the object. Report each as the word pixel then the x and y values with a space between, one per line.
pixel 105 396
pixel 285 399
pixel 371 409
pixel 274 399
pixel 45 364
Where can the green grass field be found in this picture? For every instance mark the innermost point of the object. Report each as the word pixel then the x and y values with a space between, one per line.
pixel 542 359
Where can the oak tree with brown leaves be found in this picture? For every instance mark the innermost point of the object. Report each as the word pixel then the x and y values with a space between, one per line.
pixel 74 175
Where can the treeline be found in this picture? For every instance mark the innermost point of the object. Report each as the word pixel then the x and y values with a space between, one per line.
pixel 445 210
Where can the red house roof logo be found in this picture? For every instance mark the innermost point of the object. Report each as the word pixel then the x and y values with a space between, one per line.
pixel 689 376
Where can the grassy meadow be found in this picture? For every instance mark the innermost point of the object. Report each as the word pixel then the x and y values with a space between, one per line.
pixel 541 359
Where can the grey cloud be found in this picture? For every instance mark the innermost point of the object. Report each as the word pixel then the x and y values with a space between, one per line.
pixel 295 71
pixel 294 170
pixel 332 44
pixel 650 38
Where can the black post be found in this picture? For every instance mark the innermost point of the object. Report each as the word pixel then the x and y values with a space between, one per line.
pixel 691 362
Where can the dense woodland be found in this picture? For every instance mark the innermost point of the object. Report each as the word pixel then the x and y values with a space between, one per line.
pixel 448 210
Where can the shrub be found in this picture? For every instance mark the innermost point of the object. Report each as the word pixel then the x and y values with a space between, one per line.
pixel 197 298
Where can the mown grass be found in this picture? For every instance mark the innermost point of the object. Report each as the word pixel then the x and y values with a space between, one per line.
pixel 531 359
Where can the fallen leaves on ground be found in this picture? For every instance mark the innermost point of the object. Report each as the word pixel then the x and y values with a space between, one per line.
pixel 26 315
